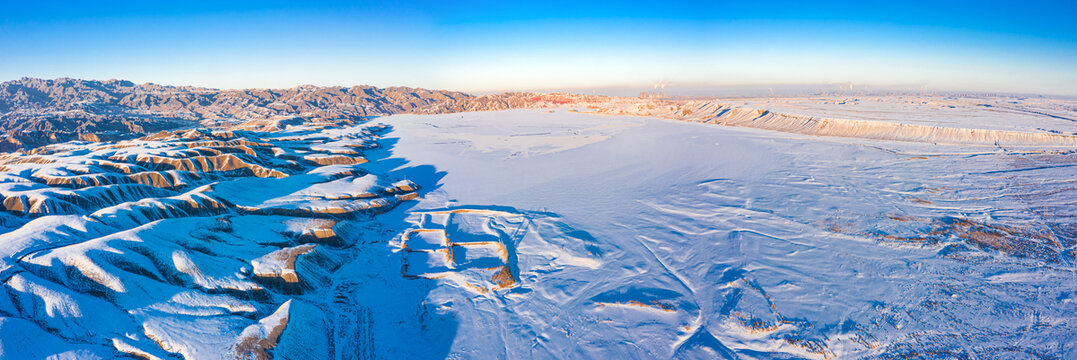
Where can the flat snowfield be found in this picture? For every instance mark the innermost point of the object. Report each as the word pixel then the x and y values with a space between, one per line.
pixel 705 241
pixel 540 234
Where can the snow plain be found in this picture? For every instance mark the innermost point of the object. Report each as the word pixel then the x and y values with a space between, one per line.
pixel 713 241
pixel 538 234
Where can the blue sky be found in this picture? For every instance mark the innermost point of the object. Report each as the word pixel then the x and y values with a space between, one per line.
pixel 1028 46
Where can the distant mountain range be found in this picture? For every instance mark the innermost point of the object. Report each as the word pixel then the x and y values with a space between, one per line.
pixel 36 112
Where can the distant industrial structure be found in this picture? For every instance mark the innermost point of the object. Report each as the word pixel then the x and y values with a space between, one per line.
pixel 658 92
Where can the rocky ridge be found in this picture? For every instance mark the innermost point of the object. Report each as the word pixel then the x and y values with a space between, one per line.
pixel 36 112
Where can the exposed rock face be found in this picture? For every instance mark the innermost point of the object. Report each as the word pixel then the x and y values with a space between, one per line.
pixel 191 244
pixel 89 98
pixel 37 112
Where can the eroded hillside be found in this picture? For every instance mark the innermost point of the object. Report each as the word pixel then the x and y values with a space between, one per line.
pixel 36 112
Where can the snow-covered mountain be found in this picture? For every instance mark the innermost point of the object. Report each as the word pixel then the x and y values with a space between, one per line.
pixel 36 112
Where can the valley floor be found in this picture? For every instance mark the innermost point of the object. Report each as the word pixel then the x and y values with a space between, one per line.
pixel 538 234
pixel 713 241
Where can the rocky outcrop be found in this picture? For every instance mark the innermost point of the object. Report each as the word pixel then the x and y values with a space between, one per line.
pixel 222 163
pixel 190 244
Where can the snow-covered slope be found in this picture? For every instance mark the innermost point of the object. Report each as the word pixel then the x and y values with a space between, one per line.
pixel 38 112
pixel 198 245
pixel 1032 126
pixel 539 234
pixel 1019 113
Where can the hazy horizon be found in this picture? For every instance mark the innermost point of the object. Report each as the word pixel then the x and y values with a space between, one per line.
pixel 483 47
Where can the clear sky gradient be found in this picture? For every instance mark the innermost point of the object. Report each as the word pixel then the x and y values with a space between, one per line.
pixel 1005 46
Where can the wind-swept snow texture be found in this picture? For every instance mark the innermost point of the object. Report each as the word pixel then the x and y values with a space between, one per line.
pixel 667 239
pixel 538 234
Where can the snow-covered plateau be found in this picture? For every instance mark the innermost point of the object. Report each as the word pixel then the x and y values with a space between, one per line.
pixel 635 231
